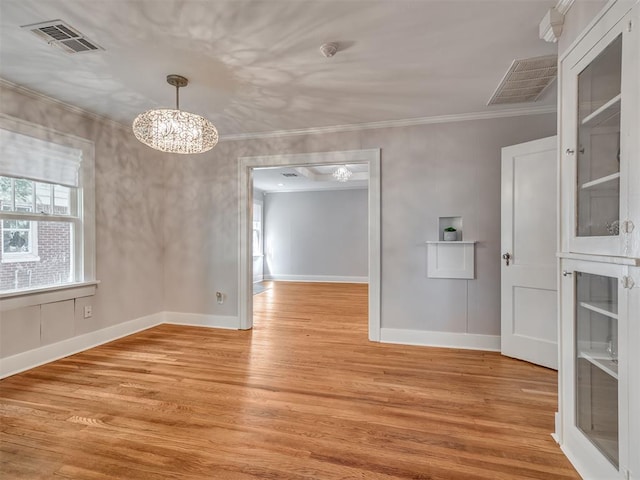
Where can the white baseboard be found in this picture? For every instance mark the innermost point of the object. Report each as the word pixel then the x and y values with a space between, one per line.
pixel 202 320
pixel 440 339
pixel 316 278
pixel 48 353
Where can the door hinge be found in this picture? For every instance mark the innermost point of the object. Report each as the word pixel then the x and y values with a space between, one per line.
pixel 630 26
pixel 628 282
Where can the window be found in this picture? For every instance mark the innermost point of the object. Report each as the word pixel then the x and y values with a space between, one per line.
pixel 46 208
pixel 257 229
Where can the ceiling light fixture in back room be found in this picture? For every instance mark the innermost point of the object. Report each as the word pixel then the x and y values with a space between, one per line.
pixel 175 131
pixel 342 173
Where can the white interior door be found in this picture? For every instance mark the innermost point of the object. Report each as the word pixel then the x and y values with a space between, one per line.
pixel 529 239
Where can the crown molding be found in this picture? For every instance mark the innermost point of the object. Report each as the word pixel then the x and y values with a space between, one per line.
pixel 59 103
pixel 563 6
pixel 315 189
pixel 462 117
pixel 407 122
pixel 551 26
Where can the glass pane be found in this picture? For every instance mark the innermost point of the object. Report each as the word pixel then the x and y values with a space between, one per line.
pixel 24 195
pixel 15 224
pixel 598 155
pixel 43 197
pixel 48 263
pixel 5 193
pixel 597 361
pixel 15 241
pixel 62 200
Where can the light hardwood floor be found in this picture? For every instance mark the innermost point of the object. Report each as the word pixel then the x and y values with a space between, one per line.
pixel 302 396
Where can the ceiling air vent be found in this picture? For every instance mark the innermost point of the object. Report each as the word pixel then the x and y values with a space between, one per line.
pixel 526 80
pixel 61 34
pixel 289 174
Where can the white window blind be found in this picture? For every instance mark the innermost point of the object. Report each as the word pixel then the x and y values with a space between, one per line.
pixel 23 156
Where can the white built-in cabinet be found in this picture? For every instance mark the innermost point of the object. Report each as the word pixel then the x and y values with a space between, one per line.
pixel 600 139
pixel 599 407
pixel 597 352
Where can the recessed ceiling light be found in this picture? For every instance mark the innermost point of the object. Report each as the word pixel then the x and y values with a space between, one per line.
pixel 281 184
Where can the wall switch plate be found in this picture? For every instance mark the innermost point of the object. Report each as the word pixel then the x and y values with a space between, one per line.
pixel 88 311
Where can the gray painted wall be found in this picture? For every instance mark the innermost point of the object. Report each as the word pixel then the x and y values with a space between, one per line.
pixel 129 230
pixel 310 234
pixel 427 171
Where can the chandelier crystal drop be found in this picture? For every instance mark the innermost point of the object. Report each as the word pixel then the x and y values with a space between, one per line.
pixel 175 131
pixel 342 173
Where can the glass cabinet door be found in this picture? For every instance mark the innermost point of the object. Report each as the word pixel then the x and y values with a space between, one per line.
pixel 598 145
pixel 596 367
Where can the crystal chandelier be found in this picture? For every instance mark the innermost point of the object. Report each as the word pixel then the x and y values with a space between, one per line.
pixel 175 131
pixel 342 173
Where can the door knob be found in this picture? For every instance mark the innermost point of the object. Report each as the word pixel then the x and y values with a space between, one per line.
pixel 566 273
pixel 507 258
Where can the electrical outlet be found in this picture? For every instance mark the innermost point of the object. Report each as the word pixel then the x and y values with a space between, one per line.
pixel 88 311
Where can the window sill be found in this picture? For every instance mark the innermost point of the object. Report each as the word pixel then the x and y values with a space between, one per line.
pixel 37 296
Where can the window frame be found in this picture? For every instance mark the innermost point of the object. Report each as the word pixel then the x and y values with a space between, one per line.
pixel 83 260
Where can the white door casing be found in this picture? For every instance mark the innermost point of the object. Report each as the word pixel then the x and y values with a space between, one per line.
pixel 529 238
pixel 245 278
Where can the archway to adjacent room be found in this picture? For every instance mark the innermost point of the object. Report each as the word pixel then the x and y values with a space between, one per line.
pixel 245 175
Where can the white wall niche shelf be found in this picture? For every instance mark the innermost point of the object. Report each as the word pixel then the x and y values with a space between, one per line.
pixel 450 242
pixel 451 259
pixel 455 222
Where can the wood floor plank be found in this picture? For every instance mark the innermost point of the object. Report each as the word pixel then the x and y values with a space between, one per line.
pixel 304 395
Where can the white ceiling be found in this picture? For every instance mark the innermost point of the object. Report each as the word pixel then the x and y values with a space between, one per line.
pixel 308 178
pixel 254 65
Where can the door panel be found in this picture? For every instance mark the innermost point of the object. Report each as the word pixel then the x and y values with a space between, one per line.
pixel 529 237
pixel 529 306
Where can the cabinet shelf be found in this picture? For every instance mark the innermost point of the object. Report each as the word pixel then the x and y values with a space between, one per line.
pixel 608 309
pixel 601 360
pixel 600 181
pixel 604 113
